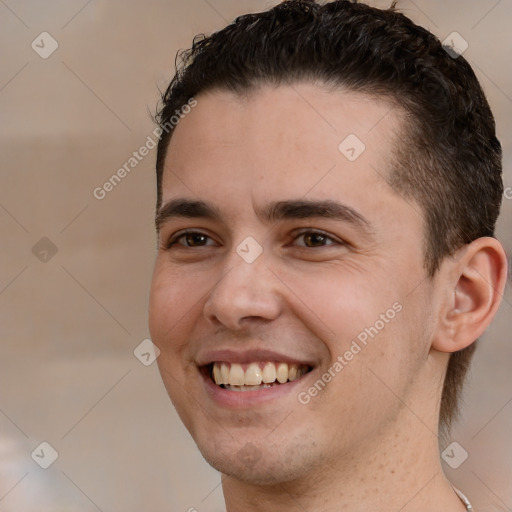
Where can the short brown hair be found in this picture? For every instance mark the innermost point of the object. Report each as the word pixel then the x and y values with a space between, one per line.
pixel 449 159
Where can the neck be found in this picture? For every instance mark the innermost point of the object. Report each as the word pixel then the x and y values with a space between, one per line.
pixel 399 471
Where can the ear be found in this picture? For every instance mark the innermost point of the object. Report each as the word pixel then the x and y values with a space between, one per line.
pixel 476 277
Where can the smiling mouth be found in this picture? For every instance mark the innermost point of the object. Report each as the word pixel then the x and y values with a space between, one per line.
pixel 255 376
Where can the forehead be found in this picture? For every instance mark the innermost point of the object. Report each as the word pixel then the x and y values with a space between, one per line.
pixel 291 140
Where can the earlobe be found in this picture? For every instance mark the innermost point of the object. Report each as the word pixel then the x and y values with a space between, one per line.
pixel 478 278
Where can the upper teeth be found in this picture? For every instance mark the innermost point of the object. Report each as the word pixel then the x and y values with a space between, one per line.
pixel 234 375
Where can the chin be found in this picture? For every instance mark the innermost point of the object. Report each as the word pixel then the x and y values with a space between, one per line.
pixel 260 462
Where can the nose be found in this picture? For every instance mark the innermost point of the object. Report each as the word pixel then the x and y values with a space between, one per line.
pixel 245 294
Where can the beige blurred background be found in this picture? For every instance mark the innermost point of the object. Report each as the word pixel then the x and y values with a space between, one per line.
pixel 70 321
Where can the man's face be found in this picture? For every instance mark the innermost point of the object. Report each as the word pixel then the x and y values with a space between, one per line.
pixel 273 272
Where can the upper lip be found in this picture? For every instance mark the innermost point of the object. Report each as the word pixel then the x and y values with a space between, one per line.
pixel 248 356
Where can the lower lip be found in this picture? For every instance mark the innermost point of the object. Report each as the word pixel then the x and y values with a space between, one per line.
pixel 243 399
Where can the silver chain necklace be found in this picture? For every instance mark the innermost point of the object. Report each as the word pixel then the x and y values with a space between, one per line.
pixel 464 500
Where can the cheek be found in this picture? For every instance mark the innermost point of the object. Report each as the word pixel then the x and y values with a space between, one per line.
pixel 338 302
pixel 362 318
pixel 173 305
pixel 173 311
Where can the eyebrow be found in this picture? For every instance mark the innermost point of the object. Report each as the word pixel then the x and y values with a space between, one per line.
pixel 187 208
pixel 276 211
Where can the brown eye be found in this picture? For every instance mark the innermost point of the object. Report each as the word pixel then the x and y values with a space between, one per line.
pixel 313 239
pixel 191 239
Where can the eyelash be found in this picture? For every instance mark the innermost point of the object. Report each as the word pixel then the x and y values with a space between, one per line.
pixel 175 239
